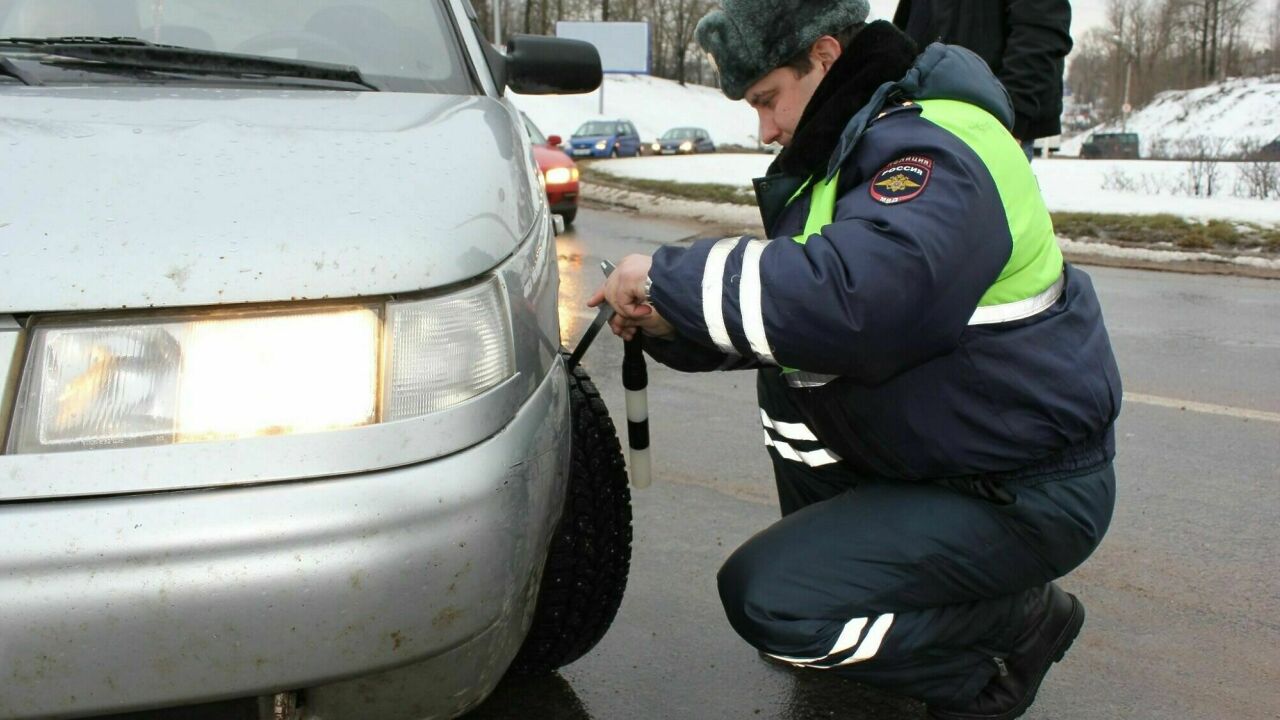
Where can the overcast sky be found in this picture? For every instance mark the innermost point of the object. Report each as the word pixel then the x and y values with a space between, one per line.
pixel 1085 14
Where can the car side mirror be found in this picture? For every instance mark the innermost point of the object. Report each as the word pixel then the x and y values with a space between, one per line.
pixel 538 65
pixel 555 141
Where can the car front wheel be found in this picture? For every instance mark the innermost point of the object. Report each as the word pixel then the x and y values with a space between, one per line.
pixel 590 554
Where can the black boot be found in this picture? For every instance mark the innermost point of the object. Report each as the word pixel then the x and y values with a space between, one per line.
pixel 1053 620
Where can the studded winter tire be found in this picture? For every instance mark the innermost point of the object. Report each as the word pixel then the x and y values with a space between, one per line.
pixel 590 554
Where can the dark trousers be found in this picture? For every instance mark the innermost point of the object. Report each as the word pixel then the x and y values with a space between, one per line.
pixel 914 587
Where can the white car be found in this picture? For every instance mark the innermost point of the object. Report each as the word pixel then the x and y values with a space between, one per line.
pixel 286 423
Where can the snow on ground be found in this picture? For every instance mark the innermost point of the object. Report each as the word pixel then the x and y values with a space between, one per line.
pixel 1232 112
pixel 736 169
pixel 1102 186
pixel 653 104
pixel 1067 184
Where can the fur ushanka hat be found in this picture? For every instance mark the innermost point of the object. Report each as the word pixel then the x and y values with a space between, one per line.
pixel 748 39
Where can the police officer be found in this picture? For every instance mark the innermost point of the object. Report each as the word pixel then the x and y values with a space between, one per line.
pixel 936 387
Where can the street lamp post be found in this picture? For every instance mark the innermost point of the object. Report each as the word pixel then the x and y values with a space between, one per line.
pixel 1124 109
pixel 1128 77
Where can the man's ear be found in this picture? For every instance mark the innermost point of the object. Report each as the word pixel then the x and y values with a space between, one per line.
pixel 825 51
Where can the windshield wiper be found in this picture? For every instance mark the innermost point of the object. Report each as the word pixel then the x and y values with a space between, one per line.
pixel 133 53
pixel 7 67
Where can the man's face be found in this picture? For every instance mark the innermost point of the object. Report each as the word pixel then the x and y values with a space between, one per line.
pixel 780 97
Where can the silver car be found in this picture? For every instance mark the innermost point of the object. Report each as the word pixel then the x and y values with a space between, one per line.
pixel 286 422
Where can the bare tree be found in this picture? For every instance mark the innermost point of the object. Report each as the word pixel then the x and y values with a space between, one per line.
pixel 1274 35
pixel 1151 46
pixel 1219 24
pixel 1257 174
pixel 1203 173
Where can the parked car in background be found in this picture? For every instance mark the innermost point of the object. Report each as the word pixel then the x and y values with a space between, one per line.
pixel 284 423
pixel 684 141
pixel 605 138
pixel 1110 145
pixel 559 172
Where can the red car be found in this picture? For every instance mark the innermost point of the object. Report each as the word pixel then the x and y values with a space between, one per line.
pixel 559 172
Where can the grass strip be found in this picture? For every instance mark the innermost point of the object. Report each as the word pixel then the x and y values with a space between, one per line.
pixel 704 192
pixel 1165 230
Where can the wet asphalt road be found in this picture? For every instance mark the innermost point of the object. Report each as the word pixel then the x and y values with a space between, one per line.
pixel 1183 598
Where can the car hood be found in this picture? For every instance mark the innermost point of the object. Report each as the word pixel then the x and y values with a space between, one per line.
pixel 152 197
pixel 588 139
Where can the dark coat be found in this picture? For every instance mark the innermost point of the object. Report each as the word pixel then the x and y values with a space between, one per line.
pixel 882 296
pixel 1023 41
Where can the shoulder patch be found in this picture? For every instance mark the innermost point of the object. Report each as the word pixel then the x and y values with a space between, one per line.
pixel 901 180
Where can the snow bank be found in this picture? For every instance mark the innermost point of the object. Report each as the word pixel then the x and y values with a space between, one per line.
pixel 1231 112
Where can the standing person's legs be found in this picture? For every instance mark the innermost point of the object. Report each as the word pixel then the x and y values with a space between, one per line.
pixel 912 587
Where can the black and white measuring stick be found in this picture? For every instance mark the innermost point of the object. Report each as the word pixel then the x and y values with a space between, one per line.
pixel 635 378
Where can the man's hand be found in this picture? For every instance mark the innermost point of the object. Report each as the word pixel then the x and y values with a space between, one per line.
pixel 624 291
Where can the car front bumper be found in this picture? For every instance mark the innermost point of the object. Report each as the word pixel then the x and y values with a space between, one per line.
pixel 129 602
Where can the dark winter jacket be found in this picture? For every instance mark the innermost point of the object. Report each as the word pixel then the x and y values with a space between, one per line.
pixel 1024 41
pixel 884 296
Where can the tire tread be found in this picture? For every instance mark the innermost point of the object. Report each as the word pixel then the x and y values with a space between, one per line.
pixel 589 559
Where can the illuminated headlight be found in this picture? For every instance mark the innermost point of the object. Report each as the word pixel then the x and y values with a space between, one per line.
pixel 602 144
pixel 224 375
pixel 686 146
pixel 657 147
pixel 561 175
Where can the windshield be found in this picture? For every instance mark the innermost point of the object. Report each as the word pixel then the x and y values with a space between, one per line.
pixel 403 45
pixel 598 128
pixel 679 133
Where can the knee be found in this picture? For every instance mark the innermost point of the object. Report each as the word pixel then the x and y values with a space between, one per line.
pixel 749 588
pixel 1081 514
